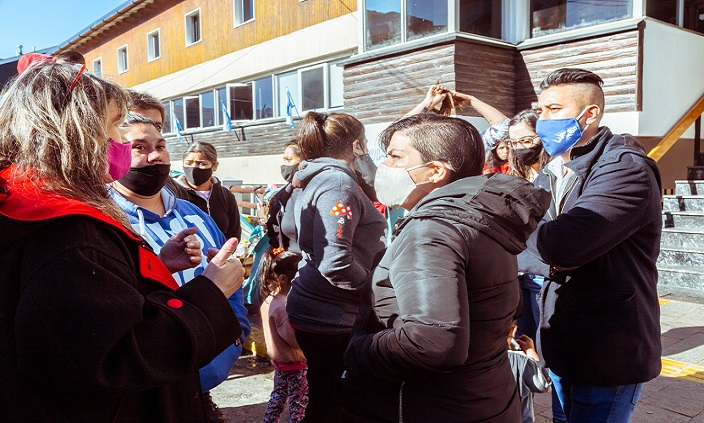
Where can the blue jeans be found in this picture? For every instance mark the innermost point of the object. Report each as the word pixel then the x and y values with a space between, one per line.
pixel 598 404
pixel 558 415
pixel 529 319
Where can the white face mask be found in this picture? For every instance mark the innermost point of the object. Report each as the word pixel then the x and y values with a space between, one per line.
pixel 394 185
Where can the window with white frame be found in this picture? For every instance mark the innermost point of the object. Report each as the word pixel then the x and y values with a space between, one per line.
pixel 481 17
pixel 193 27
pixel 167 116
pixel 221 101
pixel 244 11
pixel 263 98
pixel 177 114
pixel 313 88
pixel 335 86
pixel 98 67
pixel 207 109
pixel 153 45
pixel 552 16
pixel 241 107
pixel 288 84
pixel 389 22
pixel 192 108
pixel 122 63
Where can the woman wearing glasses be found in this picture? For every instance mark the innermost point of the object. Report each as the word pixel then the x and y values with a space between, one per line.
pixel 93 327
pixel 205 190
pixel 526 153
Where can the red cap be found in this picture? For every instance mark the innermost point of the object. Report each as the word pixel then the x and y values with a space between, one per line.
pixel 29 59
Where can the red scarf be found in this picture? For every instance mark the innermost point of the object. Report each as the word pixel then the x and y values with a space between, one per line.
pixel 21 200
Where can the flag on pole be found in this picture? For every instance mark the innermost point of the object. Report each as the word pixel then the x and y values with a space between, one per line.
pixel 289 109
pixel 227 122
pixel 178 126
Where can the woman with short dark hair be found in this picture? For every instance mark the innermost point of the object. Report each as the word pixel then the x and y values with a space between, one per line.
pixel 430 343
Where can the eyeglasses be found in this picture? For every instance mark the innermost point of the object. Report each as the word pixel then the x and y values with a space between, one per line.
pixel 201 164
pixel 524 142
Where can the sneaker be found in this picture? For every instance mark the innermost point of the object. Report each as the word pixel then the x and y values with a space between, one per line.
pixel 214 413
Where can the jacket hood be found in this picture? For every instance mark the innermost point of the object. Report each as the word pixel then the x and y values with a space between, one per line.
pixel 505 208
pixel 308 169
pixel 181 180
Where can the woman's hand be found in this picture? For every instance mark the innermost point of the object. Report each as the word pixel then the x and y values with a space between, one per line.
pixel 226 270
pixel 181 251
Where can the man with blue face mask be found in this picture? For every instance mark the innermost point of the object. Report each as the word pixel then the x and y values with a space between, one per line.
pixel 597 246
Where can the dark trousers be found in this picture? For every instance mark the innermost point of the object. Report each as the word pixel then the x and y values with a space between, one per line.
pixel 324 354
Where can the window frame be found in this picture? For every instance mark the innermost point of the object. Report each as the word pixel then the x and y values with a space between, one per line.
pixel 124 47
pixel 636 10
pixel 99 72
pixel 326 94
pixel 186 99
pixel 150 50
pixel 239 22
pixel 216 106
pixel 187 20
pixel 452 17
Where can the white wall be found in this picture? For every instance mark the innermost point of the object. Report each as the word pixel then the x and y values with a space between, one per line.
pixel 673 76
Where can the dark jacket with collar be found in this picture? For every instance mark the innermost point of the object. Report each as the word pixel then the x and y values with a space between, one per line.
pixel 221 206
pixel 93 328
pixel 431 341
pixel 600 321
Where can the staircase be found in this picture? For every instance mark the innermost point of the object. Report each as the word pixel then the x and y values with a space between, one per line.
pixel 681 261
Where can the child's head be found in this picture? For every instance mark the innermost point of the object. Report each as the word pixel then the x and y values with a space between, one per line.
pixel 276 270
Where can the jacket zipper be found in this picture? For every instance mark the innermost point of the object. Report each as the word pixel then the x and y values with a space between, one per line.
pixel 400 402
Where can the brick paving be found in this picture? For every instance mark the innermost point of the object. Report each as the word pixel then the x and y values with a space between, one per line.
pixel 677 395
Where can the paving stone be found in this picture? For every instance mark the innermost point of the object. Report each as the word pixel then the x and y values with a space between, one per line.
pixel 689 350
pixel 648 413
pixel 681 397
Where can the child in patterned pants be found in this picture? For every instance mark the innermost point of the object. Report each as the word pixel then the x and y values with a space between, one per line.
pixel 277 269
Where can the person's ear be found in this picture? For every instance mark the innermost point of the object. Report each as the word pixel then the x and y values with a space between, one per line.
pixel 215 166
pixel 440 173
pixel 592 114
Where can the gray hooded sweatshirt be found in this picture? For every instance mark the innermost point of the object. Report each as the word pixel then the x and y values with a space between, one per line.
pixel 339 232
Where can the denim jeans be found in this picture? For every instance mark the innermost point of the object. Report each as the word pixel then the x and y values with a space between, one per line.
pixel 558 415
pixel 598 404
pixel 529 319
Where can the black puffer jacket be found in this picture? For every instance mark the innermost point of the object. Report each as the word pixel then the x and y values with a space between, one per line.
pixel 600 321
pixel 432 343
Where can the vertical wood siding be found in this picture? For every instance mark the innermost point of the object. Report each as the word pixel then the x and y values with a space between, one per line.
pixel 272 19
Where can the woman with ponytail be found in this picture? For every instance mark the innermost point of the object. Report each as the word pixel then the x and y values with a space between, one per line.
pixel 339 232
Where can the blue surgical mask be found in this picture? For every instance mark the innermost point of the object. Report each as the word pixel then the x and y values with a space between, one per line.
pixel 559 135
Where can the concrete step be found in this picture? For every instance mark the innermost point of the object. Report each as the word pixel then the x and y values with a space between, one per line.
pixel 689 187
pixel 681 277
pixel 683 220
pixel 690 239
pixel 683 203
pixel 681 257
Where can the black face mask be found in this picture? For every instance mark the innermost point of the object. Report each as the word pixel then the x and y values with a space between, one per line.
pixel 366 167
pixel 146 181
pixel 197 176
pixel 287 171
pixel 528 156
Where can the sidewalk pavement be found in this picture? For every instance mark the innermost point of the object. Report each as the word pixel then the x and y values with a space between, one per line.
pixel 677 395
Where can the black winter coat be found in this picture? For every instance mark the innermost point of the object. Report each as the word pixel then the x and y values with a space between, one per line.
pixel 600 321
pixel 431 342
pixel 93 328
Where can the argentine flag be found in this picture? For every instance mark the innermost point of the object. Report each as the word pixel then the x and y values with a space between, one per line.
pixel 178 126
pixel 227 122
pixel 289 109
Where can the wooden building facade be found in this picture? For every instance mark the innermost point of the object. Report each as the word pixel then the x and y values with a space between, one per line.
pixel 376 60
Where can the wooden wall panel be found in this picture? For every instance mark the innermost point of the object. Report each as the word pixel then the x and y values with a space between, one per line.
pixel 273 18
pixel 614 57
pixel 259 140
pixel 383 89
